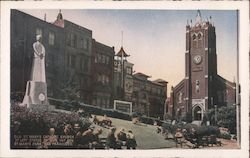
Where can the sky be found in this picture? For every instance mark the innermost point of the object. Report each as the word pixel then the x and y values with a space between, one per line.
pixel 155 39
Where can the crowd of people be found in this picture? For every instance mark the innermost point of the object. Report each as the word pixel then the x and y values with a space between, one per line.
pixel 121 138
pixel 73 130
pixel 189 137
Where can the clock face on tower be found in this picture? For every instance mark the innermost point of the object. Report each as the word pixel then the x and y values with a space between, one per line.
pixel 197 59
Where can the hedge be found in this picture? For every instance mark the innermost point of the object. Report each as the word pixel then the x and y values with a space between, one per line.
pixel 67 105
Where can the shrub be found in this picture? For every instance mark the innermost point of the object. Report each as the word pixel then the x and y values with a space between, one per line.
pixel 147 120
pixel 189 126
pixel 171 128
pixel 225 136
pixel 208 130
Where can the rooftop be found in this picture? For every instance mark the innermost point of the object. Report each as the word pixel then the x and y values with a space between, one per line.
pixel 122 53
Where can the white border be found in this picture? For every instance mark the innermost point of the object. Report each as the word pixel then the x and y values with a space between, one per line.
pixel 243 66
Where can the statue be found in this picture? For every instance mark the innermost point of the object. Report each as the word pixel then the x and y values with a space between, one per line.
pixel 38 67
pixel 197 86
pixel 36 88
pixel 180 97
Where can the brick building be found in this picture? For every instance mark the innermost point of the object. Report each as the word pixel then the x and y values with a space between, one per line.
pixel 149 96
pixel 68 61
pixel 123 79
pixel 77 59
pixel 202 88
pixel 102 75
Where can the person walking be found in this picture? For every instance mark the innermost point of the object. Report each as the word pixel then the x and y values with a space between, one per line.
pixel 111 140
pixel 131 142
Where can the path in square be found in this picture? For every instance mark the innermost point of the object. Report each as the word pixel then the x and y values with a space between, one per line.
pixel 146 135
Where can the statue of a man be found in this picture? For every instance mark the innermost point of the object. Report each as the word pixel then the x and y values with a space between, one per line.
pixel 38 67
pixel 197 86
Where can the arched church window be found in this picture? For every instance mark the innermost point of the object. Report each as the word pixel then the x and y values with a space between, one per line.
pixel 199 36
pixel 194 37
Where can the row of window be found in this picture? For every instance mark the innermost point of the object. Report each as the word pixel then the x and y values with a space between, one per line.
pixel 71 40
pixel 51 39
pixel 197 36
pixel 104 59
pixel 84 63
pixel 101 101
pixel 84 43
pixel 151 90
pixel 103 79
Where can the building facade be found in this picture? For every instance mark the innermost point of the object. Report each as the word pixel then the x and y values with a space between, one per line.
pixel 202 88
pixel 123 76
pixel 149 96
pixel 77 60
pixel 102 71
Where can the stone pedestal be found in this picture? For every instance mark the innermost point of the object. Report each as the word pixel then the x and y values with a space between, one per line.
pixel 41 107
pixel 36 94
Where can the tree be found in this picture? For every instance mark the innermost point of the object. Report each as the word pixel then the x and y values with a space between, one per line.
pixel 226 117
pixel 69 88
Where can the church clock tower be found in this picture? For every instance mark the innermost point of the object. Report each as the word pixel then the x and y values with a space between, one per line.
pixel 201 66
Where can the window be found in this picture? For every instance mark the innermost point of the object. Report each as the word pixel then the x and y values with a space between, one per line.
pixel 81 42
pixel 72 61
pixel 107 80
pixel 108 103
pixel 96 59
pixel 85 44
pixel 39 31
pixel 81 64
pixel 99 58
pixel 99 78
pixel 199 36
pixel 129 71
pixel 103 79
pixel 51 38
pixel 194 37
pixel 86 65
pixel 103 59
pixel 73 40
pixel 107 60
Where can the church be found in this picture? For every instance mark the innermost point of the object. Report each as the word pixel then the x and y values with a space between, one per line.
pixel 202 88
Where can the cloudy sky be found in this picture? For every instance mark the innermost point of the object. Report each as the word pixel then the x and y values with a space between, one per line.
pixel 155 39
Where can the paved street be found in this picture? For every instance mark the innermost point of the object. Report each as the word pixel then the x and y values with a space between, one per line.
pixel 147 138
pixel 145 135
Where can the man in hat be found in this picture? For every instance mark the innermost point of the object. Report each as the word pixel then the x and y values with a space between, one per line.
pixel 77 134
pixel 178 137
pixel 131 142
pixel 111 140
pixel 95 142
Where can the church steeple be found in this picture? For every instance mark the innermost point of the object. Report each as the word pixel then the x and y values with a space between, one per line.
pixel 198 19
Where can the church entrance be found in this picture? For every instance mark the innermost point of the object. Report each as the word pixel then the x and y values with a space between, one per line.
pixel 197 113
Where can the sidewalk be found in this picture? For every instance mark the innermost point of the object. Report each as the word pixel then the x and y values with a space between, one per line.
pixel 226 144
